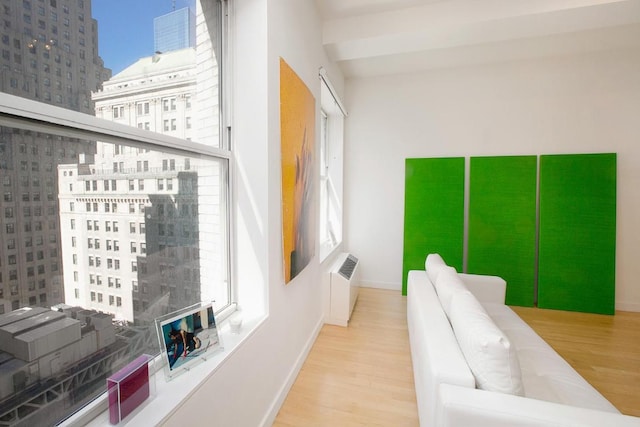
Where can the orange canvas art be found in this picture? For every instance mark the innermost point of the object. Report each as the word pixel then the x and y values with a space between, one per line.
pixel 297 136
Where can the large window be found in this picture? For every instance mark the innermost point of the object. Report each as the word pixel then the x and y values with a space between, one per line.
pixel 80 180
pixel 331 167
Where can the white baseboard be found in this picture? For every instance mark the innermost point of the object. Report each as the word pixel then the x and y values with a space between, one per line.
pixel 381 285
pixel 626 306
pixel 270 416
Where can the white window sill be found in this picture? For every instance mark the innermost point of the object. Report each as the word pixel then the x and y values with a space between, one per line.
pixel 170 394
pixel 326 249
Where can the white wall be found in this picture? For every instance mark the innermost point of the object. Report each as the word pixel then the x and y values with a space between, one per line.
pixel 249 387
pixel 579 104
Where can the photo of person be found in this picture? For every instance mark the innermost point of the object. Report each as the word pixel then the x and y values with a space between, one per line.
pixel 189 337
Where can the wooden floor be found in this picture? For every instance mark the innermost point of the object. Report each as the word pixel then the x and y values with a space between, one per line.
pixel 362 375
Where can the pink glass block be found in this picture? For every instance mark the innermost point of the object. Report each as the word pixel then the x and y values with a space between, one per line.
pixel 128 388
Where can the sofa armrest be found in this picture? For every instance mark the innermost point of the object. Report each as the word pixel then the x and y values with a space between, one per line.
pixel 485 288
pixel 461 406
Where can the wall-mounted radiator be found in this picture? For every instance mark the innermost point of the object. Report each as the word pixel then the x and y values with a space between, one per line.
pixel 341 288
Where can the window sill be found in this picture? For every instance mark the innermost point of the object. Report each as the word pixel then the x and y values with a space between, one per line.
pixel 326 249
pixel 169 395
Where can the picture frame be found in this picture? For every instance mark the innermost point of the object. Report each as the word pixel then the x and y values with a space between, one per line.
pixel 187 337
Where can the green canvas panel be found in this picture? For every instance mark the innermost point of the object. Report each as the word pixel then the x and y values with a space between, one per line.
pixel 433 212
pixel 577 243
pixel 502 223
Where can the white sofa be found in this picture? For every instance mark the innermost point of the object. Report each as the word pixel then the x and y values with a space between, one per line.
pixel 547 391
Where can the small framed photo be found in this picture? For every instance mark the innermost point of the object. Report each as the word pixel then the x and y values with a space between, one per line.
pixel 187 337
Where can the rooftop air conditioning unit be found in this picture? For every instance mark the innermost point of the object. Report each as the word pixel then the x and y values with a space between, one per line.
pixel 342 286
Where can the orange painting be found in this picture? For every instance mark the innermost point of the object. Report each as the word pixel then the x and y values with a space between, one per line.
pixel 297 136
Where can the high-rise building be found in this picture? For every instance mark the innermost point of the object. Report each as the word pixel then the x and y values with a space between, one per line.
pixel 175 30
pixel 135 211
pixel 49 54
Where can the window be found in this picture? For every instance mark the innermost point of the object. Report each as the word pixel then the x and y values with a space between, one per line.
pixel 118 112
pixel 143 108
pixel 81 148
pixel 331 145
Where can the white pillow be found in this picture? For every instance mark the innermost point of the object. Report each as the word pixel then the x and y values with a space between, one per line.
pixel 447 284
pixel 433 264
pixel 489 354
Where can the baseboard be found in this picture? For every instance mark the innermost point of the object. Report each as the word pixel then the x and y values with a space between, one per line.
pixel 380 285
pixel 270 416
pixel 626 306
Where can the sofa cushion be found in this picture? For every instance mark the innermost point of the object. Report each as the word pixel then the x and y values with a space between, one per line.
pixel 447 284
pixel 433 264
pixel 487 350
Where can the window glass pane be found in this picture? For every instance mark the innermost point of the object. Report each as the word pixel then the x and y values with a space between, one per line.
pixel 67 198
pixel 177 246
pixel 94 74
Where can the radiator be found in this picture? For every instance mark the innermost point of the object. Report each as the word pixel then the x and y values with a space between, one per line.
pixel 342 285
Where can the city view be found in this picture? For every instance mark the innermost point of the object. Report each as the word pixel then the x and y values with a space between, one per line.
pixel 102 237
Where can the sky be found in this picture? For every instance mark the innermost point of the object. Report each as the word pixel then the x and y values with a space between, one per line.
pixel 125 28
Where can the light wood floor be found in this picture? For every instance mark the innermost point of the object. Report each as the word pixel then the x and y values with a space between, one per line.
pixel 362 376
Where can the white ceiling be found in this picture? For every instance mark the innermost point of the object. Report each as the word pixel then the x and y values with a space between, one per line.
pixel 375 37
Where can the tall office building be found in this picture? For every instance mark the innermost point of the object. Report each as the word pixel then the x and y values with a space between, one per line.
pixel 132 212
pixel 49 54
pixel 175 30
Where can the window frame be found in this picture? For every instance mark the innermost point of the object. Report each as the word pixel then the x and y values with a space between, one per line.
pixel 23 113
pixel 33 115
pixel 331 176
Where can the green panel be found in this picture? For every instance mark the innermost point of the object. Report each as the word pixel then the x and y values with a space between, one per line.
pixel 577 248
pixel 433 212
pixel 502 223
